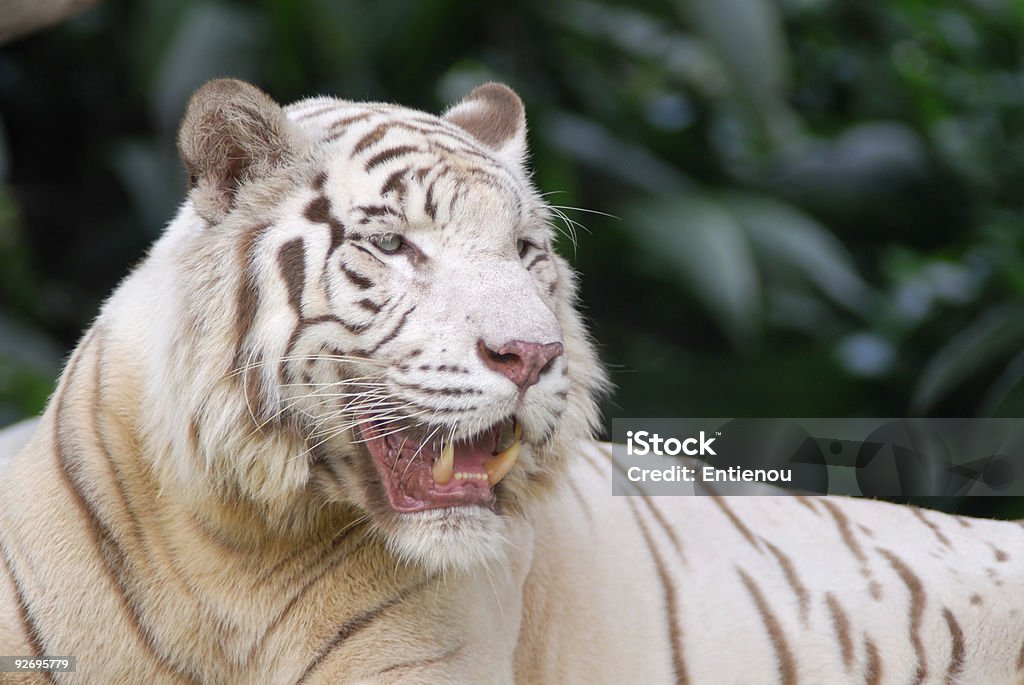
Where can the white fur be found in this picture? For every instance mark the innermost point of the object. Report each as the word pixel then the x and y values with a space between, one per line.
pixel 184 512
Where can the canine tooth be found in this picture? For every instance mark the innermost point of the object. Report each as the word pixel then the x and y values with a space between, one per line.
pixel 499 466
pixel 444 464
pixel 506 436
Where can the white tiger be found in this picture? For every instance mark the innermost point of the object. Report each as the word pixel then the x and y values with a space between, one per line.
pixel 335 428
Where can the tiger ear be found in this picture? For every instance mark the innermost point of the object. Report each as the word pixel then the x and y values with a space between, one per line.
pixel 232 133
pixel 494 115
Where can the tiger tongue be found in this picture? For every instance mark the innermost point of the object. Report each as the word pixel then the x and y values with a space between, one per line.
pixel 466 461
pixel 461 461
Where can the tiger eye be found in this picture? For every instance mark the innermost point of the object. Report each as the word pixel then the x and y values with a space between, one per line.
pixel 389 243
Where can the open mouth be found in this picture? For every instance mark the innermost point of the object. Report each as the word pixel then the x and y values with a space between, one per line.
pixel 422 472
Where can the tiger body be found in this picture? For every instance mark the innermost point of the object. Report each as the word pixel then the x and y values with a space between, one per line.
pixel 769 589
pixel 335 428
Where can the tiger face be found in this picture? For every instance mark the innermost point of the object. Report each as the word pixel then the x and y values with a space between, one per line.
pixel 394 329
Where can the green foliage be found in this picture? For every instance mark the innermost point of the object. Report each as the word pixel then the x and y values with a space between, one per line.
pixel 820 200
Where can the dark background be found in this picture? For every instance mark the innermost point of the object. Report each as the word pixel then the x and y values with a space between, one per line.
pixel 816 204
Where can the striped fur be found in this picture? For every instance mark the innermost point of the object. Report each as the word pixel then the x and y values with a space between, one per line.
pixel 787 590
pixel 196 504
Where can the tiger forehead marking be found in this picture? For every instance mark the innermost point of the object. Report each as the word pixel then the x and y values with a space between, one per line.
pixel 429 152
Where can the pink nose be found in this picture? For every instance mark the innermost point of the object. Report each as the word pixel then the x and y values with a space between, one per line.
pixel 521 362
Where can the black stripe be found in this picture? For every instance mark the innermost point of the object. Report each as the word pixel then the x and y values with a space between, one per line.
pixel 429 206
pixel 331 318
pixel 376 210
pixel 873 670
pixel 142 544
pixel 956 650
pixel 360 622
pixel 918 600
pixel 368 253
pixel 370 138
pixel 423 663
pixel 36 641
pixel 318 211
pixel 301 327
pixel 783 654
pixel 316 111
pixel 358 280
pixel 247 298
pixel 734 519
pixel 807 502
pixel 663 522
pixel 789 570
pixel 369 305
pixel 841 624
pixel 448 411
pixel 931 526
pixel 395 331
pixel 846 535
pixel 845 532
pixel 449 392
pixel 668 590
pixel 395 182
pixel 323 563
pixel 388 155
pixel 536 260
pixel 112 555
pixel 291 261
pixel 340 123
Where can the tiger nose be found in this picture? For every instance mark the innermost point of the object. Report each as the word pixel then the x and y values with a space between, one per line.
pixel 521 362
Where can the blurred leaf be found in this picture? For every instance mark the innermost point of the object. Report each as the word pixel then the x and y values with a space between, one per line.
pixel 998 332
pixel 3 152
pixel 28 348
pixel 154 179
pixel 29 363
pixel 689 60
pixel 213 40
pixel 1006 396
pixel 590 142
pixel 696 241
pixel 17 281
pixel 866 354
pixel 867 159
pixel 788 238
pixel 747 34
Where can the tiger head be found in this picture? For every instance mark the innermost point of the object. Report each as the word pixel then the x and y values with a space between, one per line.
pixel 359 308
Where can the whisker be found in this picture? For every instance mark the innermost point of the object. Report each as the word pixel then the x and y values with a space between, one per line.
pixel 308 357
pixel 334 383
pixel 400 448
pixel 588 211
pixel 420 449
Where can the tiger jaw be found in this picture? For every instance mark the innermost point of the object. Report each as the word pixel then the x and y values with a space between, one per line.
pixel 421 474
